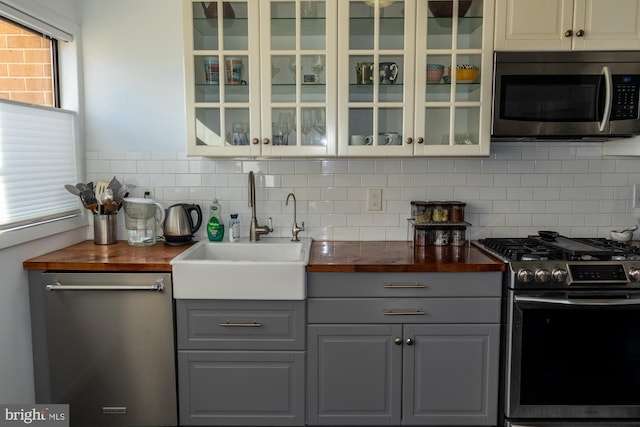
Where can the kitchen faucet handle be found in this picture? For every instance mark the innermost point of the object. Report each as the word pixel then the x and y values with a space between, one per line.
pixel 270 225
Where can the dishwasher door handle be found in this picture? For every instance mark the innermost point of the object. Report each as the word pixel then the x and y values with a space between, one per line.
pixel 57 286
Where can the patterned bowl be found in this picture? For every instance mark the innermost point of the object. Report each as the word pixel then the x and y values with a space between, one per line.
pixel 434 73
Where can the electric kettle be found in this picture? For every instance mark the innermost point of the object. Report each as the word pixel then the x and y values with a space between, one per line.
pixel 178 223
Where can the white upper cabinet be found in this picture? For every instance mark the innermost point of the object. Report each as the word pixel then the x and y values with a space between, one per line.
pixel 561 25
pixel 396 94
pixel 260 77
pixel 324 78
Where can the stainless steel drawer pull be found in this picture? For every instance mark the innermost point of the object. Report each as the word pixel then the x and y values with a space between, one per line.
pixel 57 286
pixel 405 313
pixel 241 325
pixel 416 286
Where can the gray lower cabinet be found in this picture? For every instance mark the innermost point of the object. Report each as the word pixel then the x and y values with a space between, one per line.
pixel 403 348
pixel 241 362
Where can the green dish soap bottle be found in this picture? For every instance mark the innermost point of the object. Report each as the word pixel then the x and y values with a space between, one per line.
pixel 215 227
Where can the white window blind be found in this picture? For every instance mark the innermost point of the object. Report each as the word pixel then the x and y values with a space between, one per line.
pixel 37 157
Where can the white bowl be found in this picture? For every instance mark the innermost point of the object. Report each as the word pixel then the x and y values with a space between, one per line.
pixel 624 236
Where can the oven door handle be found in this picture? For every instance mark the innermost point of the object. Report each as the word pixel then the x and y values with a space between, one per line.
pixel 580 301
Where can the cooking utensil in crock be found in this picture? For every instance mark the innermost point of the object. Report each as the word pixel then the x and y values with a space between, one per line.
pixel 101 186
pixel 88 199
pixel 72 189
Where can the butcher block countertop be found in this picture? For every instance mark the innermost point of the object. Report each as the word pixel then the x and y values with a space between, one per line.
pixel 389 256
pixel 87 256
pixel 326 256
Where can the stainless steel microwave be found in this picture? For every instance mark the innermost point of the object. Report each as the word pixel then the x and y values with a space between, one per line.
pixel 565 95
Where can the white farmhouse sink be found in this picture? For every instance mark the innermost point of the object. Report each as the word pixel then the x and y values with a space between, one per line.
pixel 270 269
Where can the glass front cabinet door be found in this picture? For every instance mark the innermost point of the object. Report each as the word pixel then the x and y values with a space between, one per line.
pixel 414 77
pixel 261 77
pixel 305 78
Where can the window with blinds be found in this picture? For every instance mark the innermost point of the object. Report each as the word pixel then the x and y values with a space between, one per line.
pixel 37 142
pixel 37 158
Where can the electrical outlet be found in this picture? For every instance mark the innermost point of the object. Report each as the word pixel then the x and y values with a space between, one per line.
pixel 636 195
pixel 374 199
pixel 142 192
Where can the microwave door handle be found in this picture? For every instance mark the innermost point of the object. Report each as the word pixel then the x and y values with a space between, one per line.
pixel 607 99
pixel 580 301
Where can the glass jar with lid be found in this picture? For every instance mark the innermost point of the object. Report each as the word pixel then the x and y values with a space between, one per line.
pixel 456 211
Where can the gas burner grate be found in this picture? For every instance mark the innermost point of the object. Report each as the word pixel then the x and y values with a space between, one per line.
pixel 534 248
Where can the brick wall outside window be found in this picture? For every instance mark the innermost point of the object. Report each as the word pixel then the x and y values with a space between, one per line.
pixel 25 65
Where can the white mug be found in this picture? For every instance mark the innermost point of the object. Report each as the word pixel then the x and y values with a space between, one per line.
pixel 358 140
pixel 393 138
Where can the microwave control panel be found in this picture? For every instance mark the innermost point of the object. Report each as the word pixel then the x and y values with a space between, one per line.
pixel 625 97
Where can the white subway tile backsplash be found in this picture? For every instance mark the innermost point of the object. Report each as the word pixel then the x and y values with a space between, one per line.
pixel 320 180
pixel 533 180
pixel 178 166
pixel 559 206
pixel 519 193
pixel 480 179
pixel 548 166
pixel 522 166
pixel 506 180
pixel 334 193
pixel 519 189
pixel 586 207
pixel 505 206
pixel 519 220
pixel 400 180
pixel 441 165
pixel 610 179
pixel 493 193
pixel 546 193
pixel 571 220
pixel 535 153
pixel 573 193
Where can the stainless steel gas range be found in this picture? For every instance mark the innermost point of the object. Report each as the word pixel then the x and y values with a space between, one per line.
pixel 571 347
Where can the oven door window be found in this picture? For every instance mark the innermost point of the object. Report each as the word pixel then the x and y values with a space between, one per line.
pixel 552 98
pixel 587 355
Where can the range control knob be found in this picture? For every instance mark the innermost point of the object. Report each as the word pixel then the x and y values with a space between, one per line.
pixel 634 274
pixel 525 275
pixel 542 275
pixel 559 275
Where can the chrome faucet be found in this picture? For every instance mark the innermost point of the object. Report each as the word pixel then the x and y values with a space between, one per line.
pixel 294 228
pixel 256 230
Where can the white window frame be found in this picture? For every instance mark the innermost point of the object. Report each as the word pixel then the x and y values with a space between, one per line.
pixel 32 15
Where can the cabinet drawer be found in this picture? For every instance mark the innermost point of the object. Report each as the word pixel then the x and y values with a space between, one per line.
pixel 250 388
pixel 241 325
pixel 404 310
pixel 476 284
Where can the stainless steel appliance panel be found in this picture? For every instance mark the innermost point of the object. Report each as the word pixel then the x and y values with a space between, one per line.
pixel 575 95
pixel 109 347
pixel 573 355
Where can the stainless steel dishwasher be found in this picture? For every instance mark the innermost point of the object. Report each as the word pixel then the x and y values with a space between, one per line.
pixel 104 343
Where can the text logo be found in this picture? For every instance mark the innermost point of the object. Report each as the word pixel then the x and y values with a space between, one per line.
pixel 34 415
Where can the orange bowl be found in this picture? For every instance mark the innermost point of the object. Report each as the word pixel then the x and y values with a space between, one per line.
pixel 466 75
